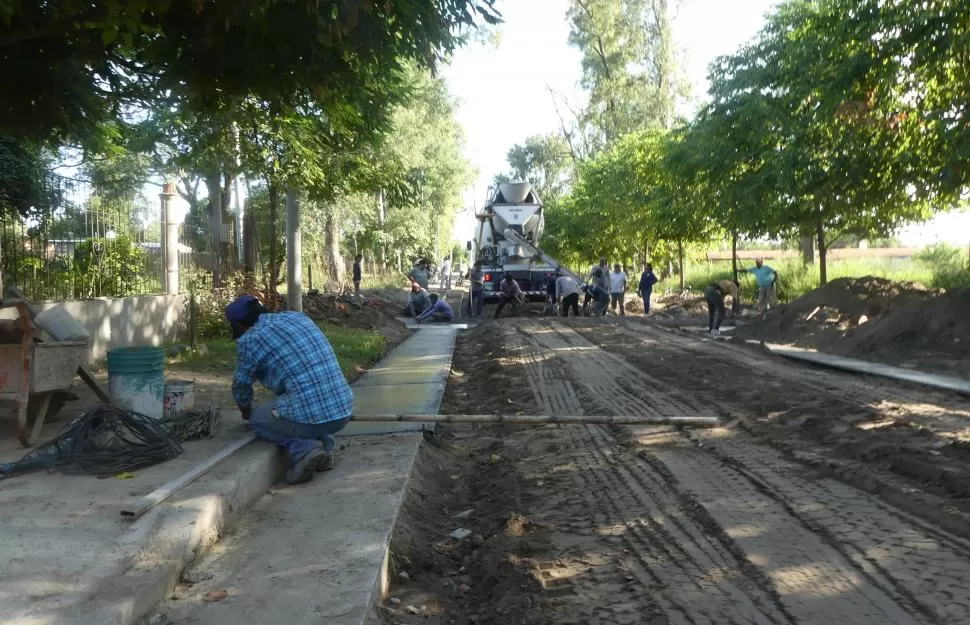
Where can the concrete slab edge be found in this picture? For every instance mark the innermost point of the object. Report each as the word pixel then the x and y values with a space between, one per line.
pixel 175 534
pixel 946 383
pixel 382 585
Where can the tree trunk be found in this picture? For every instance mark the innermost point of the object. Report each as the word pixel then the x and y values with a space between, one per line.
pixel 822 253
pixel 249 240
pixel 807 247
pixel 734 254
pixel 680 263
pixel 274 241
pixel 381 220
pixel 331 245
pixel 214 186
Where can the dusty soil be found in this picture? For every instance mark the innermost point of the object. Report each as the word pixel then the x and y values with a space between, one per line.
pixel 876 319
pixel 743 523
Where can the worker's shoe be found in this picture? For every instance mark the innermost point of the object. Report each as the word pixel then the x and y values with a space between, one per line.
pixel 302 470
pixel 325 463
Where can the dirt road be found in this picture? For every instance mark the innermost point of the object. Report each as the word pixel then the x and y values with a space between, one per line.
pixel 740 524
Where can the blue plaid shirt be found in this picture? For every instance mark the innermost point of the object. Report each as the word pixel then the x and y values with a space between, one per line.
pixel 289 354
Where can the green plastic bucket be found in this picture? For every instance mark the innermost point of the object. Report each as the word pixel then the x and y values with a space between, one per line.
pixel 136 379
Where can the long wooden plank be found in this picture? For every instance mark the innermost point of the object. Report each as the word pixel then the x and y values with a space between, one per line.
pixel 139 507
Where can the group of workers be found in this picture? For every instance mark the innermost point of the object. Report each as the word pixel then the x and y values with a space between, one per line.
pixel 289 354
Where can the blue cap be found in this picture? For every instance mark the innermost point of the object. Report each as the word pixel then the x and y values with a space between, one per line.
pixel 237 311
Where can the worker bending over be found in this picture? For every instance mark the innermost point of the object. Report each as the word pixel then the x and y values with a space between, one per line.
pixel 567 294
pixel 509 292
pixel 290 356
pixel 714 295
pixel 439 310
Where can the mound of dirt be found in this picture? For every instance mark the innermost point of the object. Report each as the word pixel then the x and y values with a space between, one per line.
pixel 877 319
pixel 370 311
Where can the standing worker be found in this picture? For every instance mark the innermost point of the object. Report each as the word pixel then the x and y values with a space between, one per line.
pixel 645 288
pixel 714 295
pixel 767 279
pixel 419 273
pixel 290 356
pixel 446 273
pixel 567 294
pixel 357 274
pixel 617 289
pixel 477 294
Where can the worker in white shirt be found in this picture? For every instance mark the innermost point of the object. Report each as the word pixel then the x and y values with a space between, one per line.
pixel 617 289
pixel 567 294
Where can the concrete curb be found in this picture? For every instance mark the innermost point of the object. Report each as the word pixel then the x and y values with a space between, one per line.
pixel 173 535
pixel 382 585
pixel 932 380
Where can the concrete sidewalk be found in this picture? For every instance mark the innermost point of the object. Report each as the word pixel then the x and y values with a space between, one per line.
pixel 68 558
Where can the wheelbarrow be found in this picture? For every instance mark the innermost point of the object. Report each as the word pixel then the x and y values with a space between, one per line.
pixel 32 370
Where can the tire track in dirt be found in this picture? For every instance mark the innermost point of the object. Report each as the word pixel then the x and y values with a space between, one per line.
pixel 940 411
pixel 926 566
pixel 851 586
pixel 695 580
pixel 586 583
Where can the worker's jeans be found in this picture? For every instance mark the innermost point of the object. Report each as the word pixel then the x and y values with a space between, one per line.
pixel 503 300
pixel 296 438
pixel 570 301
pixel 766 298
pixel 715 308
pixel 617 298
pixel 646 301
pixel 475 303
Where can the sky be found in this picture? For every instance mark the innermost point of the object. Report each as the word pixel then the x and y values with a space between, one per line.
pixel 503 94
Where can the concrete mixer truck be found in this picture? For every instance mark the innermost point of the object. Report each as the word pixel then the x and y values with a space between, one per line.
pixel 507 239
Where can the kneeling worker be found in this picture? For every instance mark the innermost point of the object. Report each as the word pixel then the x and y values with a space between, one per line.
pixel 290 356
pixel 438 311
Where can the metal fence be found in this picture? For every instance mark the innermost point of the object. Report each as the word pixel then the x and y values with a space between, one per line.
pixel 75 242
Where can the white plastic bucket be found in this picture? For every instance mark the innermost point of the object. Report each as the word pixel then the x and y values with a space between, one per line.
pixel 178 397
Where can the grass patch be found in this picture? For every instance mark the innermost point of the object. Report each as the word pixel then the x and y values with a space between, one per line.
pixel 355 349
pixel 796 279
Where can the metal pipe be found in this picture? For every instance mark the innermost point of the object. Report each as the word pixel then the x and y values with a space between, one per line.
pixel 693 421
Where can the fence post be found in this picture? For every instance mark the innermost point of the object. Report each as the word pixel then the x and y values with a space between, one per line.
pixel 170 241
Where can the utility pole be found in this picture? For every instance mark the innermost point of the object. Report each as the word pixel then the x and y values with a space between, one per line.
pixel 170 241
pixel 294 261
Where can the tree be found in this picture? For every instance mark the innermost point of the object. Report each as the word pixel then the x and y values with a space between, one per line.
pixel 543 161
pixel 806 131
pixel 69 67
pixel 628 65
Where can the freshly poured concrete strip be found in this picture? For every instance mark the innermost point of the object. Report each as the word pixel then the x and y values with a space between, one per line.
pixel 944 382
pixel 409 380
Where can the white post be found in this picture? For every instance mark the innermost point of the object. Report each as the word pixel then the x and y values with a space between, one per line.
pixel 170 241
pixel 294 261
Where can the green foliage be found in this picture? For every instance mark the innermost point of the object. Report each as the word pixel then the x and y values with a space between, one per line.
pixel 206 304
pixel 354 348
pixel 68 66
pixel 544 161
pixel 948 264
pixel 107 267
pixel 628 67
